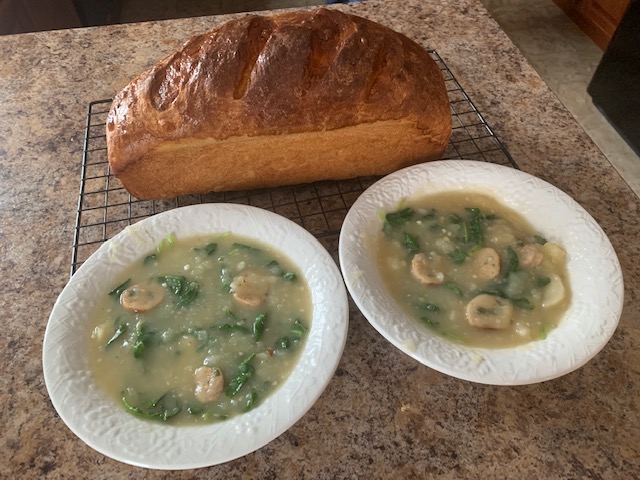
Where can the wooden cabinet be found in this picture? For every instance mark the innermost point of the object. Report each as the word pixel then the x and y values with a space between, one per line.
pixel 19 16
pixel 597 18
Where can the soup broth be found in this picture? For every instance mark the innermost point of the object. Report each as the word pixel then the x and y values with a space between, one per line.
pixel 200 330
pixel 472 270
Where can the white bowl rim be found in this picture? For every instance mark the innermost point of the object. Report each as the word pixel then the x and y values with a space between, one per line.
pixel 105 426
pixel 565 349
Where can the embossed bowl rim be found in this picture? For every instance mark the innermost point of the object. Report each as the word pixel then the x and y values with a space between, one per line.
pixel 103 425
pixel 593 269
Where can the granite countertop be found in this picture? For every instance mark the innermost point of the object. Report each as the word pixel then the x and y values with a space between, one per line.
pixel 383 414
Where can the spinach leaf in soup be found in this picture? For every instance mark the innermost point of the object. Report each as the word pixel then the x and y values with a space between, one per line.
pixel 291 340
pixel 232 327
pixel 121 329
pixel 144 338
pixel 117 291
pixel 513 263
pixel 258 326
pixel 274 267
pixel 399 217
pixel 185 290
pixel 475 232
pixel 208 249
pixel 251 399
pixel 163 408
pixel 244 373
pixel 411 243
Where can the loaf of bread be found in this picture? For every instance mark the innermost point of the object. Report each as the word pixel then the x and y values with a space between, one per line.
pixel 279 100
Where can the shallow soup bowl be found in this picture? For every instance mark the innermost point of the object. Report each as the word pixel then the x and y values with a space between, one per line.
pixel 594 275
pixel 104 425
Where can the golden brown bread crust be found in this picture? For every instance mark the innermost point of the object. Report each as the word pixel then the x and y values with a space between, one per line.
pixel 264 101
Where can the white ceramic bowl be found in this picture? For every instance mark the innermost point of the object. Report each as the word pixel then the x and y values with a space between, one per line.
pixel 593 270
pixel 106 427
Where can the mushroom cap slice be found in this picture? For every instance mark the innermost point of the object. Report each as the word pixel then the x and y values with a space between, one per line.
pixel 485 264
pixel 426 270
pixel 209 383
pixel 489 311
pixel 142 297
pixel 251 289
pixel 530 256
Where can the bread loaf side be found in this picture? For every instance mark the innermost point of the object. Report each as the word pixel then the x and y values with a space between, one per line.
pixel 266 101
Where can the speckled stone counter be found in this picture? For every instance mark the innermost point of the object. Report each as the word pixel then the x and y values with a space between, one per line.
pixel 383 415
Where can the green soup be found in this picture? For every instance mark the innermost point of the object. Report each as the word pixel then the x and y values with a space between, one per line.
pixel 200 330
pixel 472 270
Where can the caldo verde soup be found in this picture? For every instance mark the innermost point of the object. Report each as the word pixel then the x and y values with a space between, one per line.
pixel 472 270
pixel 200 330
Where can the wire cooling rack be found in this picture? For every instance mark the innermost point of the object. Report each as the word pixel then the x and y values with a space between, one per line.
pixel 105 207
